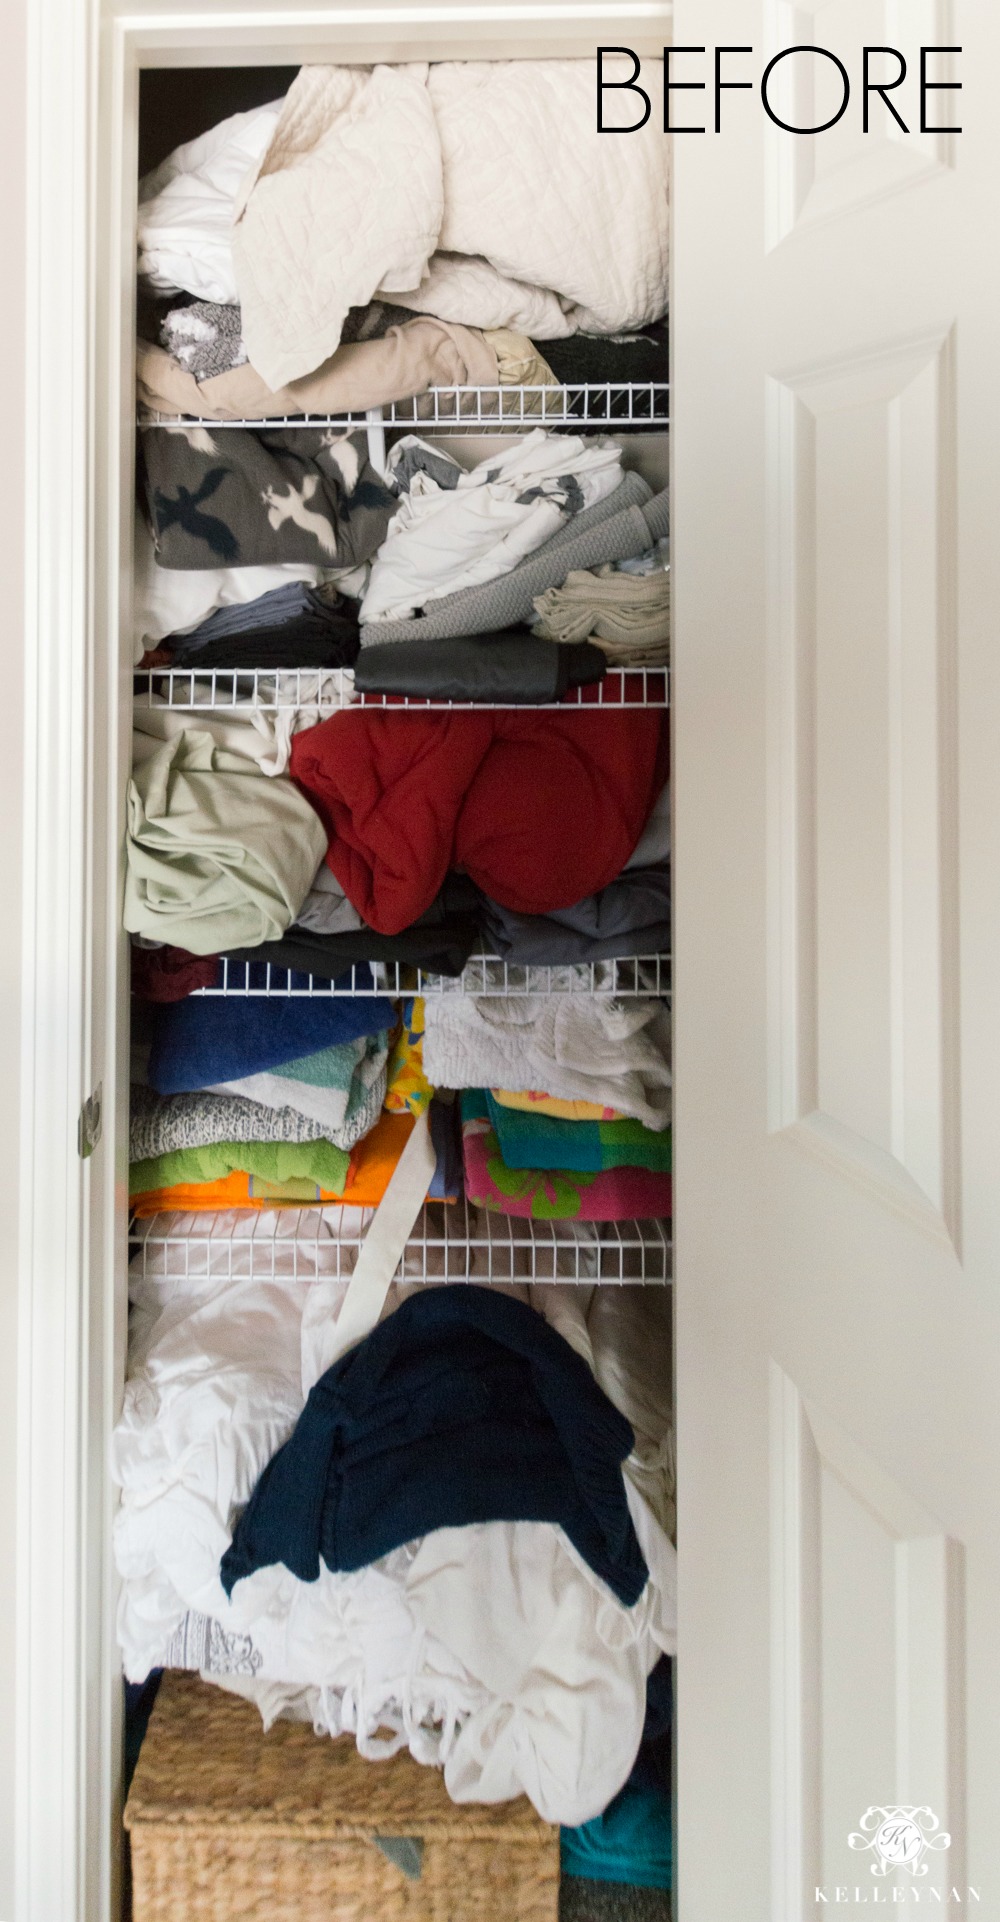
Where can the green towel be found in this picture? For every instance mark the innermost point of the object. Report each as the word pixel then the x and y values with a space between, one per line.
pixel 531 1140
pixel 318 1162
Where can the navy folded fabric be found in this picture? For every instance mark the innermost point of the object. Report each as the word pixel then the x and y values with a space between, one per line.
pixel 268 610
pixel 463 1407
pixel 322 633
pixel 443 949
pixel 206 1039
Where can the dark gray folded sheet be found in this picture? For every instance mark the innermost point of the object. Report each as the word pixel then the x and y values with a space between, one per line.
pixel 512 668
pixel 625 523
pixel 631 916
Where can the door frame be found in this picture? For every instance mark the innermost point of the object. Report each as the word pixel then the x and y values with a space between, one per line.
pixel 84 60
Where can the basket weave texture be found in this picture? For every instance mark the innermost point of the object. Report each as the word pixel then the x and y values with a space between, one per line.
pixel 229 1824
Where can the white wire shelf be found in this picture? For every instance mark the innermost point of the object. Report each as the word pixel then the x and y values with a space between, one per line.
pixel 484 975
pixel 574 404
pixel 451 1242
pixel 270 691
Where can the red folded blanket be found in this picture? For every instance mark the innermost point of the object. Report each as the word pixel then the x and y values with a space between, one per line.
pixel 539 809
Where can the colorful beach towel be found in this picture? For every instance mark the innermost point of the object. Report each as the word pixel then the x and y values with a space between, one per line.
pixel 555 1194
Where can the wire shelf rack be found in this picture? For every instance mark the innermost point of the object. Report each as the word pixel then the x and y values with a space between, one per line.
pixel 270 692
pixel 575 404
pixel 484 975
pixel 450 1242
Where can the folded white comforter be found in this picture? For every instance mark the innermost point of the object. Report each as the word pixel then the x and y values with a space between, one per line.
pixel 577 1047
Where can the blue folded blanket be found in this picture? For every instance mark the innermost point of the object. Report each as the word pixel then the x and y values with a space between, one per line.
pixel 203 1040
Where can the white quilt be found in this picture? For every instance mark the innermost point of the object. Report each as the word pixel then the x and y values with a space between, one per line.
pixel 532 187
pixel 462 283
pixel 370 173
pixel 349 197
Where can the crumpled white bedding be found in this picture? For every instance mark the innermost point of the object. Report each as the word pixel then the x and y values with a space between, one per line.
pixel 463 283
pixel 477 191
pixel 348 197
pixel 564 1763
pixel 442 538
pixel 532 187
pixel 576 1047
pixel 186 206
pixel 508 151
pixel 493 1652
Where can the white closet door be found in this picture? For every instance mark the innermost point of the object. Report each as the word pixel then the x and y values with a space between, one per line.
pixel 836 320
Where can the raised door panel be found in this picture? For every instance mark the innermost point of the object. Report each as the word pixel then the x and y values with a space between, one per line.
pixel 869 1669
pixel 863 883
pixel 845 167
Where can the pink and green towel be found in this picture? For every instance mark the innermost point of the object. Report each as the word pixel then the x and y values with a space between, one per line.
pixel 552 1194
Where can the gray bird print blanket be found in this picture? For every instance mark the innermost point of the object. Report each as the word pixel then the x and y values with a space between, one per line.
pixel 233 497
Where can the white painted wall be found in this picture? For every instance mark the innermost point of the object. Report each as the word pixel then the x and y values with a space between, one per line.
pixel 12 244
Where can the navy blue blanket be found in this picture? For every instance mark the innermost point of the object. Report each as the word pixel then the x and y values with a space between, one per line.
pixel 207 1039
pixel 464 1406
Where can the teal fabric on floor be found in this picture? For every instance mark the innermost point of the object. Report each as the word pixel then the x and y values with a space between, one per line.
pixel 631 1842
pixel 531 1140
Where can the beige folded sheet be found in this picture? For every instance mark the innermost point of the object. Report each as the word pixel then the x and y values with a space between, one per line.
pixel 420 354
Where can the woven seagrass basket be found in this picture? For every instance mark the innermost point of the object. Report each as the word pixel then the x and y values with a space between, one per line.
pixel 228 1824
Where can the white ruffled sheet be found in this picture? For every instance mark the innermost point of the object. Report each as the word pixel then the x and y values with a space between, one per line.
pixel 493 1652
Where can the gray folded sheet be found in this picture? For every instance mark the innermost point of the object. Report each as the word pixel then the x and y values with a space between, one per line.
pixel 626 522
pixel 631 916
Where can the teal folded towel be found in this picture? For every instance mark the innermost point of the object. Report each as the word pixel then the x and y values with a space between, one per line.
pixel 631 1842
pixel 531 1140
